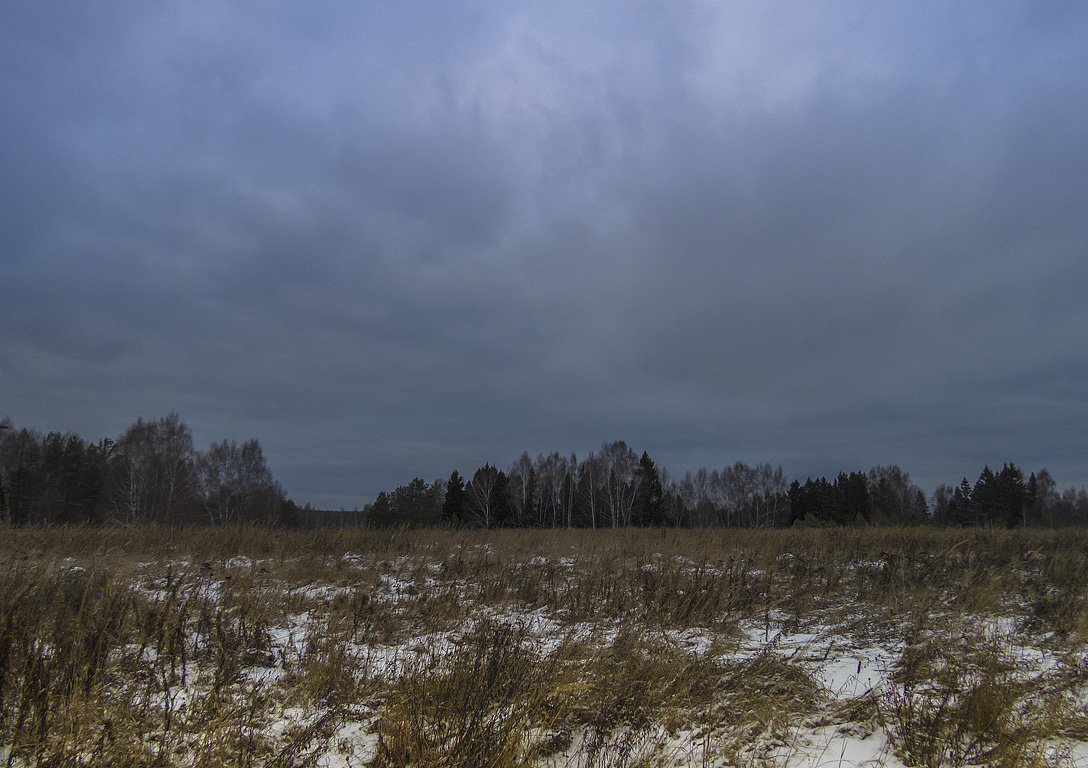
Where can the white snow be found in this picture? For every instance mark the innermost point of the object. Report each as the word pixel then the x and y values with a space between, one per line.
pixel 830 747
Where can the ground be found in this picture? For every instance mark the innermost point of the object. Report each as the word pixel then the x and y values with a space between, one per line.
pixel 860 647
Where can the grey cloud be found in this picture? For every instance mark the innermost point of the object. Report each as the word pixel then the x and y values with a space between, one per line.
pixel 392 240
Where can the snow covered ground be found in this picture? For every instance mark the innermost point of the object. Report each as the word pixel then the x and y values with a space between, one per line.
pixel 572 658
pixel 846 669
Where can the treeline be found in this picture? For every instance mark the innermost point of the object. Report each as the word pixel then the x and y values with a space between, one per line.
pixel 153 474
pixel 616 488
pixel 150 474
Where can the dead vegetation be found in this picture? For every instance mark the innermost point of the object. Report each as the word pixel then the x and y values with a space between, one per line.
pixel 157 647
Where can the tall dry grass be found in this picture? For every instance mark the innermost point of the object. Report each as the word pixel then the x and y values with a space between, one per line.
pixel 200 647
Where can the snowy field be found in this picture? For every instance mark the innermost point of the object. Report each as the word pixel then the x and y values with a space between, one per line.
pixel 792 649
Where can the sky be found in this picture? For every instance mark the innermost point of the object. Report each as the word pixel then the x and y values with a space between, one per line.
pixel 393 239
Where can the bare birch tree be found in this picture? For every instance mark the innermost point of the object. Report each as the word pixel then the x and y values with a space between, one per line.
pixel 621 481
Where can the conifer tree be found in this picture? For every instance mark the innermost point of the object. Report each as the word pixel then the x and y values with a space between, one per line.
pixel 453 508
pixel 380 513
pixel 1012 496
pixel 649 497
pixel 962 512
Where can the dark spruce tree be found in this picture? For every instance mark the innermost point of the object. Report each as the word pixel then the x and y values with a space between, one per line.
pixel 962 510
pixel 1000 499
pixel 822 499
pixel 852 498
pixel 453 508
pixel 380 513
pixel 984 504
pixel 417 504
pixel 649 507
pixel 798 502
pixel 1012 496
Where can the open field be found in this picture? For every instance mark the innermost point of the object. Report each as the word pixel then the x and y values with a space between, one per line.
pixel 254 647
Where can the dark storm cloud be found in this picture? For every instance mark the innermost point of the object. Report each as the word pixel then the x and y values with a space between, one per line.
pixel 391 240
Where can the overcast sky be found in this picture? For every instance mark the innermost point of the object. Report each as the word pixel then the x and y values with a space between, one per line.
pixel 391 239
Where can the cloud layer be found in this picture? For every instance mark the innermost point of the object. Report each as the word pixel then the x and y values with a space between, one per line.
pixel 393 239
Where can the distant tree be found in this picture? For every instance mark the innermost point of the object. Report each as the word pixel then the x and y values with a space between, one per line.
pixel 696 492
pixel 677 515
pixel 488 503
pixel 963 508
pixel 798 502
pixel 1043 498
pixel 824 500
pixel 22 453
pixel 569 493
pixel 920 510
pixel 529 497
pixel 523 492
pixel 591 486
pixel 503 506
pixel 750 496
pixel 894 497
pixel 942 504
pixel 552 478
pixel 56 479
pixel 1011 496
pixel 379 514
pixel 178 491
pixel 73 476
pixel 1001 498
pixel 153 473
pixel 1072 508
pixel 290 515
pixel 149 475
pixel 852 498
pixel 817 502
pixel 237 486
pixel 134 475
pixel 413 505
pixel 453 507
pixel 984 498
pixel 649 503
pixel 620 464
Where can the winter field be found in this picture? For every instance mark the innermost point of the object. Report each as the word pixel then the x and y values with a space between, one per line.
pixel 799 648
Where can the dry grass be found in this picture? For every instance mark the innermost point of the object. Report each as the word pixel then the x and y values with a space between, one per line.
pixel 160 647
